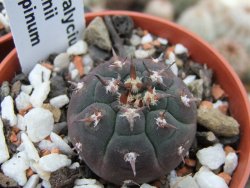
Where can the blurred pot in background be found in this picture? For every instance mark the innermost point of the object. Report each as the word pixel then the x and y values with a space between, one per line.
pixel 200 21
pixel 135 5
pixel 236 56
pixel 161 8
pixel 181 5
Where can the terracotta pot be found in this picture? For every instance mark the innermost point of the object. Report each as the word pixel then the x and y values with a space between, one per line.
pixel 6 45
pixel 201 52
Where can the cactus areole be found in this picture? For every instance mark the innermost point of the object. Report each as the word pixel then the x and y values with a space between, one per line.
pixel 132 120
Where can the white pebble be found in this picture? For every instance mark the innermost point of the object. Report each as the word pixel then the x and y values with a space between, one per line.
pixel 171 59
pixel 22 101
pixel 74 166
pixel 66 139
pixel 212 157
pixel 87 60
pixel 61 144
pixel 26 89
pixel 46 145
pixel 180 49
pixel 20 147
pixel 141 54
pixel 173 68
pixel 4 19
pixel 219 103
pixel 39 123
pixel 61 61
pixel 38 75
pixel 59 101
pixel 41 173
pixel 135 40
pixel 207 179
pixel 185 182
pixel 230 163
pixel 32 182
pixel 189 79
pixel 146 39
pixel 145 185
pixel 40 94
pixel 30 149
pixel 74 74
pixel 87 69
pixel 21 123
pixel 8 113
pixel 4 152
pixel 88 186
pixel 16 167
pixel 162 41
pixel 172 178
pixel 85 181
pixel 46 184
pixel 78 48
pixel 71 67
pixel 53 162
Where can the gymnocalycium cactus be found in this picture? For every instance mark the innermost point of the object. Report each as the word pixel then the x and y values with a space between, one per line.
pixel 132 120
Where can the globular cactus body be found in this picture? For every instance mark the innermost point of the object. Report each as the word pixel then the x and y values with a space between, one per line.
pixel 132 120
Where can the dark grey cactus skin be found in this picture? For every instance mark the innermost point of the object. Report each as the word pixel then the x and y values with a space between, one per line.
pixel 106 146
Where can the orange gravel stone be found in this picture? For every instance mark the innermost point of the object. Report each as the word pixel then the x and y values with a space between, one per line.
pixel 145 32
pixel 229 149
pixel 48 138
pixel 15 130
pixel 147 46
pixel 190 162
pixel 55 150
pixel 217 91
pixel 24 111
pixel 224 108
pixel 45 152
pixel 157 184
pixel 206 104
pixel 184 171
pixel 167 52
pixel 29 172
pixel 1 26
pixel 77 60
pixel 226 177
pixel 13 137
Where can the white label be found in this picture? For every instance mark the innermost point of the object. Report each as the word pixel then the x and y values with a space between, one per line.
pixel 43 27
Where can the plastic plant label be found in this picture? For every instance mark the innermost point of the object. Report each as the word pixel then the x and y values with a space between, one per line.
pixel 43 27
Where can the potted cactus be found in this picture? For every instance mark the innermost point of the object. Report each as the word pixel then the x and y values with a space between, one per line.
pixel 145 117
pixel 136 133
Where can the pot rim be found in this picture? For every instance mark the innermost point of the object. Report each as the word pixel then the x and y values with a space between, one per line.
pixel 210 49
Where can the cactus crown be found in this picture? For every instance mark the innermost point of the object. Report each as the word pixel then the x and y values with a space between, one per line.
pixel 135 120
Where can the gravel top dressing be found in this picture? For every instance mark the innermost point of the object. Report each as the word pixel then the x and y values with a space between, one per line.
pixel 150 90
